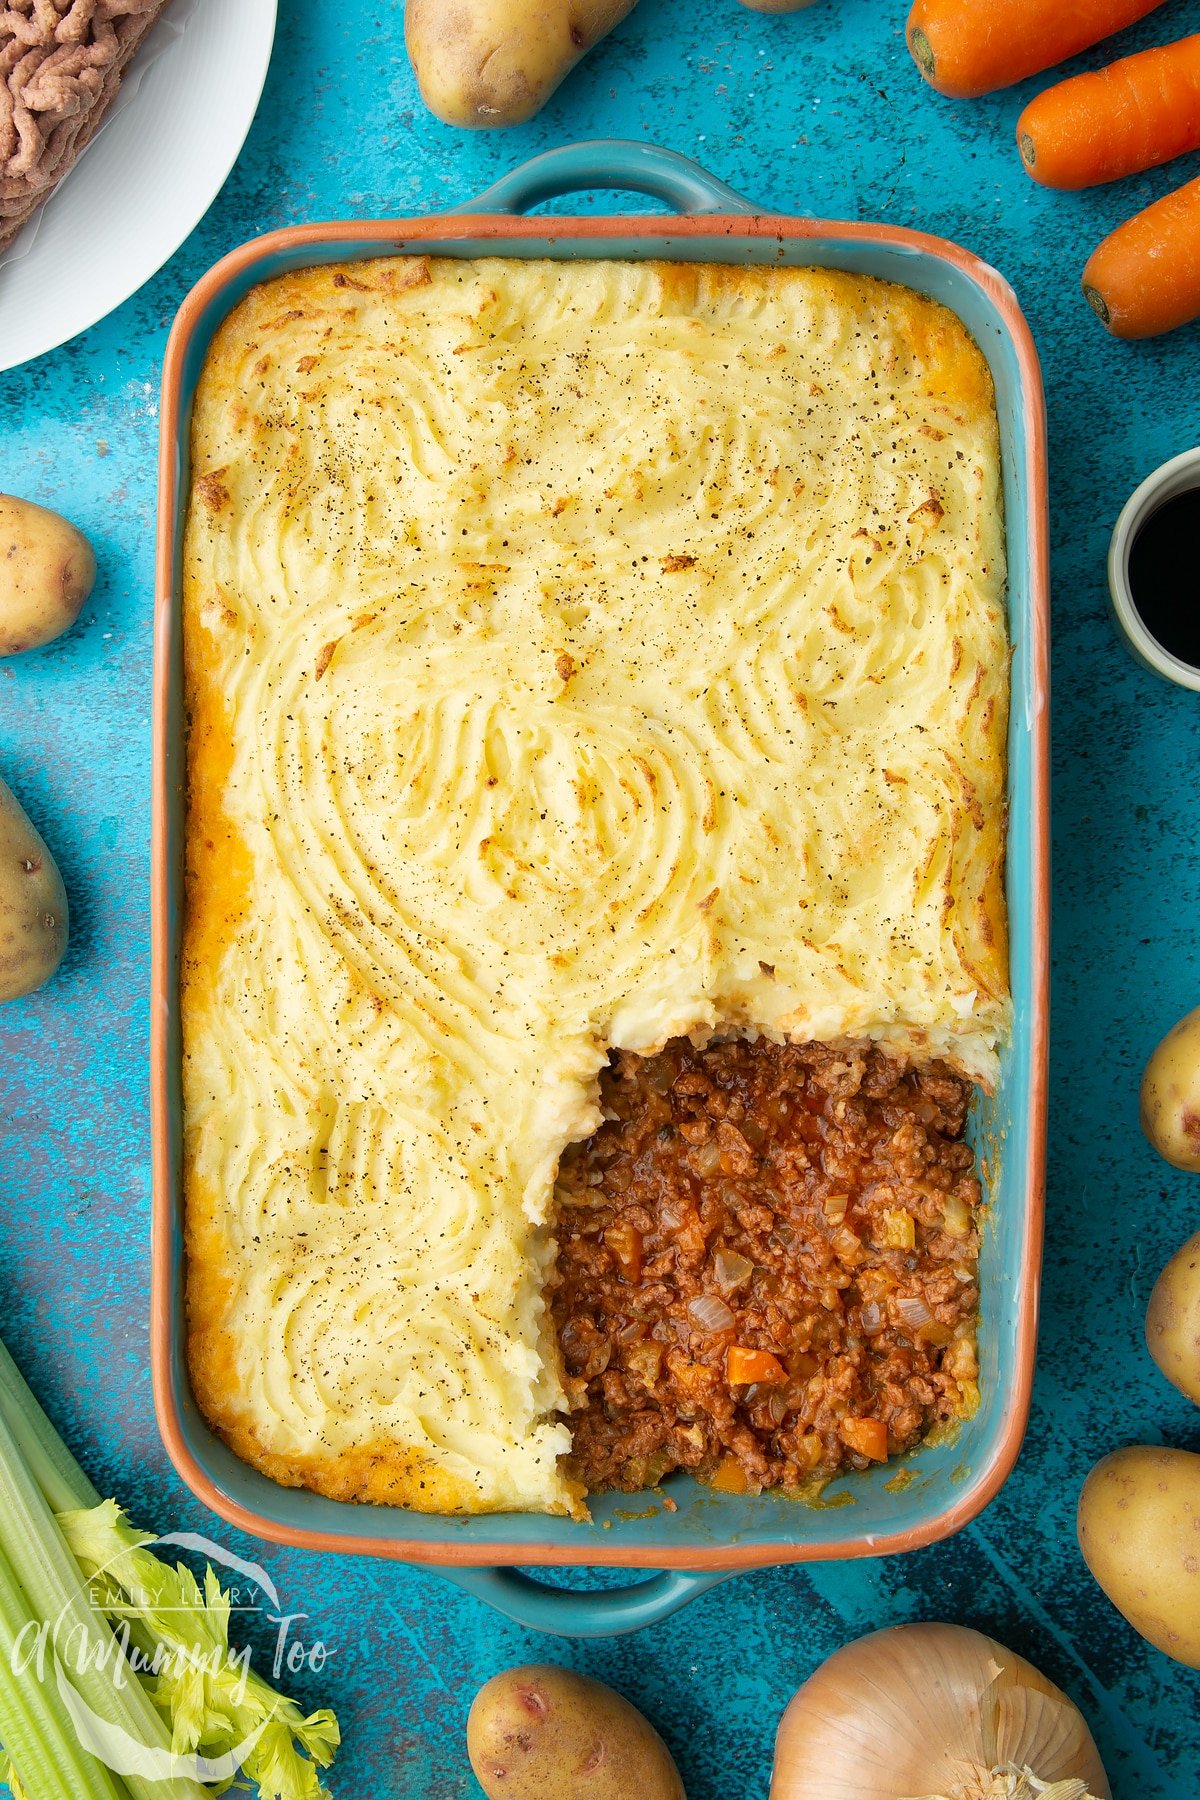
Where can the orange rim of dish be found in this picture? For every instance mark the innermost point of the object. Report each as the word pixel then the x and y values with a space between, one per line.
pixel 397 237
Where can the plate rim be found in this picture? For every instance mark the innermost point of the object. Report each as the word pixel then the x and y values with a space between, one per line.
pixel 223 166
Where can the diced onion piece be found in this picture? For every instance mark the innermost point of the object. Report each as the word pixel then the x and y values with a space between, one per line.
pixel 956 1217
pixel 876 1284
pixel 867 1436
pixel 732 1270
pixel 846 1247
pixel 625 1242
pixel 810 1452
pixel 708 1312
pixel 913 1311
pixel 870 1318
pixel 645 1361
pixel 835 1205
pixel 707 1159
pixel 899 1232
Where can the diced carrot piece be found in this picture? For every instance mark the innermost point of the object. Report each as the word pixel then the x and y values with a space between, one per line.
pixel 867 1436
pixel 743 1366
pixel 729 1477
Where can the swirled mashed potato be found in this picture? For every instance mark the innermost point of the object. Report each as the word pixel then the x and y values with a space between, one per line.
pixel 576 655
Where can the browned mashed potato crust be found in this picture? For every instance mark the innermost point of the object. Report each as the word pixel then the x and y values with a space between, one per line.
pixel 814 1203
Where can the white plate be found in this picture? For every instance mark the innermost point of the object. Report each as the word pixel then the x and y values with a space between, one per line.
pixel 149 177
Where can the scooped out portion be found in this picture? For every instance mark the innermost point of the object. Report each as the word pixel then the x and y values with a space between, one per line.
pixel 767 1264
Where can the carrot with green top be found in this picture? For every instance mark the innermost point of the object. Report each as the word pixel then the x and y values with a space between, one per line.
pixel 1145 277
pixel 1113 122
pixel 969 47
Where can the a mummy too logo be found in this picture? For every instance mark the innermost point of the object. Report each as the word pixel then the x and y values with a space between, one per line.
pixel 141 1658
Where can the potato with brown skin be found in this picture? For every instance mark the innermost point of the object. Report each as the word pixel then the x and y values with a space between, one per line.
pixel 1170 1097
pixel 33 904
pixel 777 6
pixel 46 573
pixel 1173 1320
pixel 484 63
pixel 1139 1530
pixel 543 1733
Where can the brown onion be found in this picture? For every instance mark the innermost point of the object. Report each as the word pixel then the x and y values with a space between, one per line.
pixel 935 1712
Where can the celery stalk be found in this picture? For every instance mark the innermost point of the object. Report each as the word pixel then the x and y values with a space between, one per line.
pixel 49 1461
pixel 38 1736
pixel 58 1593
pixel 220 1707
pixel 215 1707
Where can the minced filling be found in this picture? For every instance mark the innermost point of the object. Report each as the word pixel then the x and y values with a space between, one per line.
pixel 767 1264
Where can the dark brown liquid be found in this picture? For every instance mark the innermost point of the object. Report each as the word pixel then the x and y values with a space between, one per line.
pixel 1164 575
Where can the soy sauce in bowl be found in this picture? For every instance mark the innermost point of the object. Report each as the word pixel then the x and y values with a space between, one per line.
pixel 1164 575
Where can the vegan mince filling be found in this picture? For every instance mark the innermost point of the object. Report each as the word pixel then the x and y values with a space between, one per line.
pixel 767 1264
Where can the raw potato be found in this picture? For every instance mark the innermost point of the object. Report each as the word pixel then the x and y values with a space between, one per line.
pixel 542 1733
pixel 46 573
pixel 1173 1320
pixel 497 62
pixel 1170 1100
pixel 33 904
pixel 1139 1530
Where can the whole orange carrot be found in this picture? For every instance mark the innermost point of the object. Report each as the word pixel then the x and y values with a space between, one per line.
pixel 968 47
pixel 1135 114
pixel 1145 277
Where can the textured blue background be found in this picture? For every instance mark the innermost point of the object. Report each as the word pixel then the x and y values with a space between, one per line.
pixel 821 111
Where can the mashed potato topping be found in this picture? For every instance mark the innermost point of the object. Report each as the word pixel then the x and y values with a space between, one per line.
pixel 577 654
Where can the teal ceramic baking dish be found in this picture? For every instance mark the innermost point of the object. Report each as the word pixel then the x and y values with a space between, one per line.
pixel 708 1535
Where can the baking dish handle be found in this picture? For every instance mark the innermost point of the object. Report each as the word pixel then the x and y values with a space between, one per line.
pixel 610 163
pixel 585 1613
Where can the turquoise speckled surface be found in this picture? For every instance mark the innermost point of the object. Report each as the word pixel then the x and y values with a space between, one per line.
pixel 820 111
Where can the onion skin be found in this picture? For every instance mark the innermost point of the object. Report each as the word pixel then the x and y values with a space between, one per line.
pixel 913 1709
